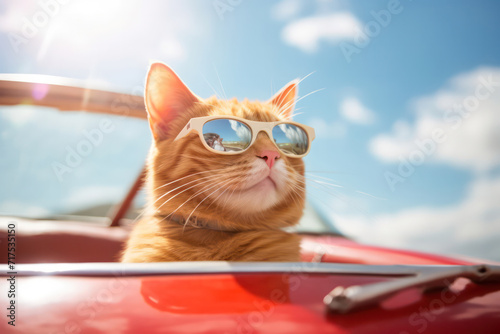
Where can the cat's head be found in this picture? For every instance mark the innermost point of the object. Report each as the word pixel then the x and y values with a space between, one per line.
pixel 253 189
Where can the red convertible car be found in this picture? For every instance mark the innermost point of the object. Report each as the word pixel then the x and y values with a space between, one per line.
pixel 66 212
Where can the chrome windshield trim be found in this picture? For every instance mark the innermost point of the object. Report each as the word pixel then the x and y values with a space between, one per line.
pixel 216 267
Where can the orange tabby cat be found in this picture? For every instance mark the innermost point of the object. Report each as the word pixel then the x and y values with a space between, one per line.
pixel 237 205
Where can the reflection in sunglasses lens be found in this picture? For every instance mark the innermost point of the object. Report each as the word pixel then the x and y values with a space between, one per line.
pixel 227 135
pixel 290 139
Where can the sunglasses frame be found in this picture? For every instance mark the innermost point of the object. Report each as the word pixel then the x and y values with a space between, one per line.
pixel 255 127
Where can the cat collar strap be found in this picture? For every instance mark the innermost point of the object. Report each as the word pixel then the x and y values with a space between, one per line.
pixel 195 222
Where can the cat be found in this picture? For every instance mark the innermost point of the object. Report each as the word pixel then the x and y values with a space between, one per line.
pixel 237 205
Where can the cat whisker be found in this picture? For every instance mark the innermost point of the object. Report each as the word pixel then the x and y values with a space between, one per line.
pixel 190 175
pixel 213 201
pixel 228 197
pixel 191 197
pixel 329 190
pixel 294 114
pixel 297 184
pixel 204 182
pixel 211 87
pixel 357 191
pixel 321 178
pixel 237 181
pixel 297 101
pixel 309 94
pixel 278 108
pixel 220 83
pixel 323 185
pixel 183 185
pixel 293 101
pixel 282 109
pixel 139 216
pixel 372 196
pixel 151 206
pixel 323 172
pixel 326 183
pixel 210 186
pixel 187 220
pixel 318 198
pixel 295 192
pixel 280 101
pixel 307 76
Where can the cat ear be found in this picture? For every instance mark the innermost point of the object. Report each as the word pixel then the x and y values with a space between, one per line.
pixel 284 100
pixel 166 97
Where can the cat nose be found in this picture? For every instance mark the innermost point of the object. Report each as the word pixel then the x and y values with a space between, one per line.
pixel 269 156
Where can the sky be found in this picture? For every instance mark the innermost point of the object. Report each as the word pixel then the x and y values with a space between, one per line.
pixel 404 97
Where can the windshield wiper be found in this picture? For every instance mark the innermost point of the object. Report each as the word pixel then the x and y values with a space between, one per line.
pixel 344 300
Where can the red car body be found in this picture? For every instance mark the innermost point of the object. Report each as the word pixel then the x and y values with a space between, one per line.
pixel 160 298
pixel 65 278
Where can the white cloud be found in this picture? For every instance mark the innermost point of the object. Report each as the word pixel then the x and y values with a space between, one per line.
pixel 323 129
pixel 18 208
pixel 241 131
pixel 294 134
pixel 307 33
pixel 286 9
pixel 353 110
pixel 93 195
pixel 470 227
pixel 22 114
pixel 458 125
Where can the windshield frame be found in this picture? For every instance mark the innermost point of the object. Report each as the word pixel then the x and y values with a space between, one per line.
pixel 65 94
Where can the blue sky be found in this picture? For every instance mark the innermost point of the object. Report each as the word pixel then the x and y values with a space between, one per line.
pixel 398 87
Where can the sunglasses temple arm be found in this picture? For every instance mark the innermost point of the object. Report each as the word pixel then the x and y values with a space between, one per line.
pixel 187 128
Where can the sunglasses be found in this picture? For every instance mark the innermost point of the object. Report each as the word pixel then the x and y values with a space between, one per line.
pixel 233 135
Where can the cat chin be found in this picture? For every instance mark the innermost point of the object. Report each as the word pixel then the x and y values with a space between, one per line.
pixel 259 195
pixel 256 199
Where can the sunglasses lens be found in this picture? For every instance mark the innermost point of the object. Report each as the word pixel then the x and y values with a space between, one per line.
pixel 291 139
pixel 227 135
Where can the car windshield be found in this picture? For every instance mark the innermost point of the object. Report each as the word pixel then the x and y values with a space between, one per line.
pixel 67 163
pixel 76 164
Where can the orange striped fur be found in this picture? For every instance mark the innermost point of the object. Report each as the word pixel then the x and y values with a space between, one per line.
pixel 185 178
